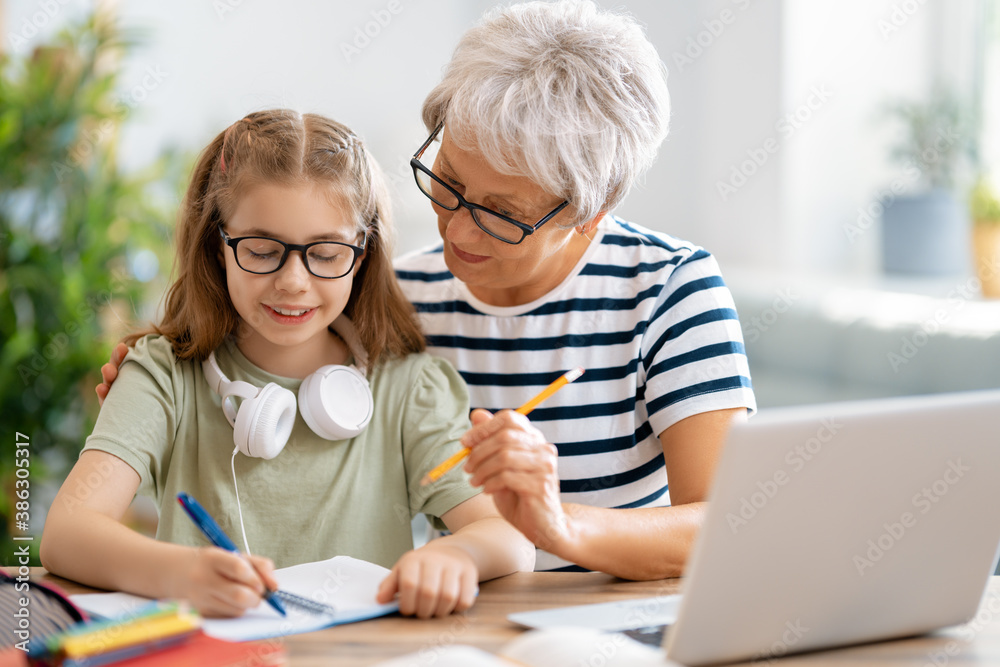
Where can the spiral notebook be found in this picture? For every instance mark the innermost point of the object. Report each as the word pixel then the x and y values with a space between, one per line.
pixel 345 584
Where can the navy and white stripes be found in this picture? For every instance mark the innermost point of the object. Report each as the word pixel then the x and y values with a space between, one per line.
pixel 649 318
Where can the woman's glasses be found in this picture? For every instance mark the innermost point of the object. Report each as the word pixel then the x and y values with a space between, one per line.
pixel 494 223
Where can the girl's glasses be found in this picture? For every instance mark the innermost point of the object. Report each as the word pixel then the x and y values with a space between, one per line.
pixel 323 259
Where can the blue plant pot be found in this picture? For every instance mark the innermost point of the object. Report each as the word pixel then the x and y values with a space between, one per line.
pixel 926 234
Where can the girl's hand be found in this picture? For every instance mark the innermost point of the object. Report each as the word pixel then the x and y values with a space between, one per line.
pixel 434 580
pixel 220 583
pixel 512 461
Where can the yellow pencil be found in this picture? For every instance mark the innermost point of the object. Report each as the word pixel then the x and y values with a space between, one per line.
pixel 455 458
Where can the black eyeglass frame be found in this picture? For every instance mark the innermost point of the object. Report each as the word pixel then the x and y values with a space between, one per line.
pixel 525 229
pixel 289 247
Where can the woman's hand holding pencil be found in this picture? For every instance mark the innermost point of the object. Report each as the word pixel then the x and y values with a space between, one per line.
pixel 457 457
pixel 514 463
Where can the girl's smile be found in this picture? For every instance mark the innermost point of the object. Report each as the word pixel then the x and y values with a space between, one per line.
pixel 289 315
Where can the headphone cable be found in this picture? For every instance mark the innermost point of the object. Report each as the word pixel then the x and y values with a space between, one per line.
pixel 239 509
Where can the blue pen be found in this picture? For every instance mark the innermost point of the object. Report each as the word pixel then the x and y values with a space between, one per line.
pixel 216 536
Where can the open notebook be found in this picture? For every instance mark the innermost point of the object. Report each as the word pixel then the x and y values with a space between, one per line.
pixel 347 584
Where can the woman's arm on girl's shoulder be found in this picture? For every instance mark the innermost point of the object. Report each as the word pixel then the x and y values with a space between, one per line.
pixel 109 371
pixel 84 540
pixel 443 576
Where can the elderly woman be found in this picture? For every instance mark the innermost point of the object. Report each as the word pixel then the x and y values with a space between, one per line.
pixel 546 116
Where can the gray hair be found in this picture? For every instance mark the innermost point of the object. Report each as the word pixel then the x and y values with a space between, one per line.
pixel 571 96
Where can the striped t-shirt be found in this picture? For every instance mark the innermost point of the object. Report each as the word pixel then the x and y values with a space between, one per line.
pixel 649 318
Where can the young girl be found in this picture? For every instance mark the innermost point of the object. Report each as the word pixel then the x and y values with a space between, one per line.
pixel 283 242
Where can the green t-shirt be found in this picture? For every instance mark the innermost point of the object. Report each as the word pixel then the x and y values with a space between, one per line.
pixel 316 499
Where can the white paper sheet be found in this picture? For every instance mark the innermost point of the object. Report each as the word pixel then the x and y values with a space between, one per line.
pixel 609 616
pixel 346 583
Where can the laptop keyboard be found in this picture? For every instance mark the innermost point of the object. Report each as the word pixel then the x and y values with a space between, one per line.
pixel 651 635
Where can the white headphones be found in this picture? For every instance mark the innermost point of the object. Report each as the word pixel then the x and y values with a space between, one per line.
pixel 335 402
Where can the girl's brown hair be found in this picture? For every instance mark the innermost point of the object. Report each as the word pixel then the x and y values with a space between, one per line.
pixel 287 148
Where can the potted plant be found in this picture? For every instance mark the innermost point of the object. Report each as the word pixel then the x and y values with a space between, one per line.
pixel 925 231
pixel 72 224
pixel 984 208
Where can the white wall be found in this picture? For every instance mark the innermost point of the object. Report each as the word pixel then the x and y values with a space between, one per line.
pixel 724 62
pixel 737 69
pixel 991 100
pixel 209 63
pixel 866 54
pixel 836 163
pixel 206 63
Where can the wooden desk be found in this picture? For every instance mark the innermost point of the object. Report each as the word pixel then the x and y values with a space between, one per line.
pixel 486 626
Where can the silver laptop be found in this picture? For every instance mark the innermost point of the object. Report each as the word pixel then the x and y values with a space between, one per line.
pixel 833 525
